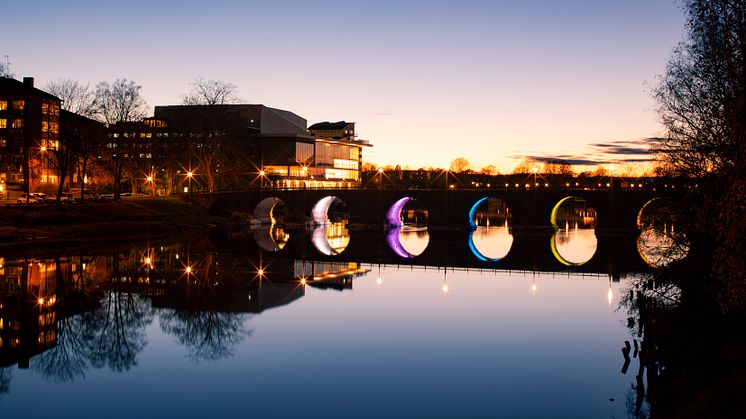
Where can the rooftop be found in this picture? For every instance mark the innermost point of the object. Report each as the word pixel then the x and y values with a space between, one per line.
pixel 329 126
pixel 9 86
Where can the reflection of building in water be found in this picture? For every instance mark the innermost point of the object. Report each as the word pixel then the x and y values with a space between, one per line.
pixel 332 238
pixel 28 309
pixel 335 275
pixel 272 238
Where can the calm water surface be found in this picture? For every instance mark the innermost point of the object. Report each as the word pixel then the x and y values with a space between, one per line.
pixel 390 342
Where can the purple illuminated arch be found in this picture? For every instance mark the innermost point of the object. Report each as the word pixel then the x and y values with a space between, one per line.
pixel 392 238
pixel 393 216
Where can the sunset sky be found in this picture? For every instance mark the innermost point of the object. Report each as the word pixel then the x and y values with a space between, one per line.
pixel 426 81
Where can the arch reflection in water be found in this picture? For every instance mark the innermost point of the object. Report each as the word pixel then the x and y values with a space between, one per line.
pixel 574 240
pixel 331 238
pixel 490 240
pixel 272 238
pixel 490 244
pixel 408 241
pixel 660 241
pixel 408 236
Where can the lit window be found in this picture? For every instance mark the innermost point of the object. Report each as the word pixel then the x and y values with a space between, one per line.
pixel 3 105
pixel 19 105
pixel 17 123
pixel 3 123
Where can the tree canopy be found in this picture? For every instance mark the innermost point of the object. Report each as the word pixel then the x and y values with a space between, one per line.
pixel 702 104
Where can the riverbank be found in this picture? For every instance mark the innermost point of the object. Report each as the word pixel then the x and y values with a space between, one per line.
pixel 30 226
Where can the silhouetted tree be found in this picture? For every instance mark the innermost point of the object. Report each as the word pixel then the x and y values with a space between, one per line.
pixel 459 165
pixel 557 167
pixel 211 92
pixel 219 145
pixel 5 376
pixel 68 358
pixel 5 70
pixel 207 334
pixel 702 104
pixel 490 169
pixel 76 97
pixel 120 101
pixel 115 332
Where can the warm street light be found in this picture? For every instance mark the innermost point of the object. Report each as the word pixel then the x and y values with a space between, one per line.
pixel 150 181
pixel 43 148
pixel 189 175
pixel 261 179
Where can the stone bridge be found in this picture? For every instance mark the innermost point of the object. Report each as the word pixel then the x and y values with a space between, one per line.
pixel 616 209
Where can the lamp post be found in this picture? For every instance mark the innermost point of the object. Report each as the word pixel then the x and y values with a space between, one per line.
pixel 380 178
pixel 190 175
pixel 535 170
pixel 152 185
pixel 261 179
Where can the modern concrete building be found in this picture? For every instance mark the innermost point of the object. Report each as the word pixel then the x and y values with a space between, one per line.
pixel 281 151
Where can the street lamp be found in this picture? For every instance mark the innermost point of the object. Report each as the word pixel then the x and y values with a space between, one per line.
pixel 150 180
pixel 380 178
pixel 535 170
pixel 261 179
pixel 190 175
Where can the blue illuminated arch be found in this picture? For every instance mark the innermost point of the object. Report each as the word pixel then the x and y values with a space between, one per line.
pixel 473 212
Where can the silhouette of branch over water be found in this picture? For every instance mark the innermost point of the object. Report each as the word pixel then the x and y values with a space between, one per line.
pixel 692 358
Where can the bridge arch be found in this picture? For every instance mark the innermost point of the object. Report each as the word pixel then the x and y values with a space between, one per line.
pixel 641 213
pixel 394 215
pixel 577 245
pixel 320 210
pixel 264 212
pixel 489 243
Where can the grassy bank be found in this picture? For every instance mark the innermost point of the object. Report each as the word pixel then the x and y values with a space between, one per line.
pixel 30 225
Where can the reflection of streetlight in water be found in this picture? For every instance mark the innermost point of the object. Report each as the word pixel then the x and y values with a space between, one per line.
pixel 609 295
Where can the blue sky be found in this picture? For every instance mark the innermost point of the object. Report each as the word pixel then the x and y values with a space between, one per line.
pixel 426 81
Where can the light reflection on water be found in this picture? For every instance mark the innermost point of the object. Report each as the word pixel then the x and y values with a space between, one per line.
pixel 574 246
pixel 661 241
pixel 491 243
pixel 331 238
pixel 272 238
pixel 496 344
pixel 659 247
pixel 408 241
